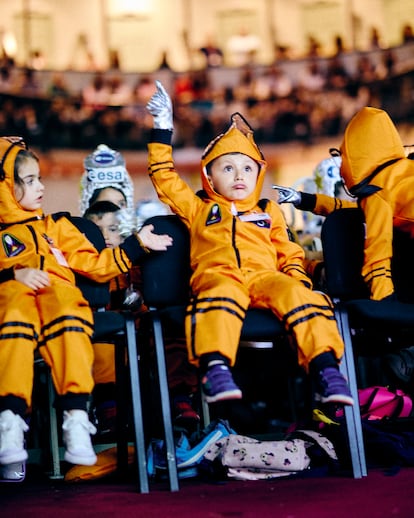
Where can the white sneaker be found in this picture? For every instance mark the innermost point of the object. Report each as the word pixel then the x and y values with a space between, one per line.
pixel 15 472
pixel 12 428
pixel 77 430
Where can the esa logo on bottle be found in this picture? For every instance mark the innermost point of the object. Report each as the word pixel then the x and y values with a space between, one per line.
pixel 106 175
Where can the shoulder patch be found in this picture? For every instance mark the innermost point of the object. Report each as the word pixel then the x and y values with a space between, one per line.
pixel 214 216
pixel 11 245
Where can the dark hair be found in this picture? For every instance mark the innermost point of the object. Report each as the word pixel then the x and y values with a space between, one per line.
pixel 99 208
pixel 21 157
pixel 97 192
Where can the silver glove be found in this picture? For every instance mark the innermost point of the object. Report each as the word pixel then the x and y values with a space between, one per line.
pixel 287 195
pixel 160 107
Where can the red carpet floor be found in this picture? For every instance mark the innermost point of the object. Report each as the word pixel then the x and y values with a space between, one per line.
pixel 376 496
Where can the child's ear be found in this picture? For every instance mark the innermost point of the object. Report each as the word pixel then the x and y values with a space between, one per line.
pixel 210 181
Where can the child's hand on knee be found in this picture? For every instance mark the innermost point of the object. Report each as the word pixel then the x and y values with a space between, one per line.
pixel 32 277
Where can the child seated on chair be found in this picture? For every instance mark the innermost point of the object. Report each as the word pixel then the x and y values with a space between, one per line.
pixel 106 180
pixel 42 308
pixel 241 257
pixel 378 172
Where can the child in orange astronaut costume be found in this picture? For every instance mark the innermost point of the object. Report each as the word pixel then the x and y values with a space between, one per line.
pixel 241 257
pixel 42 308
pixel 379 172
pixel 376 171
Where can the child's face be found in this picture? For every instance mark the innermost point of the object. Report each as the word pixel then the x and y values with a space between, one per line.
pixel 234 176
pixel 30 194
pixel 113 195
pixel 109 226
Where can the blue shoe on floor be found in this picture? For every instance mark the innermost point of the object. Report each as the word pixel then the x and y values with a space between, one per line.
pixel 218 384
pixel 332 387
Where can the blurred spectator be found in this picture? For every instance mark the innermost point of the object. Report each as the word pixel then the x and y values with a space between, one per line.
pixel 282 52
pixel 57 87
pixel 96 94
pixel 37 60
pixel 212 53
pixel 312 79
pixel 313 47
pixel 366 70
pixel 375 39
pixel 337 75
pixel 407 33
pixel 143 90
pixel 120 93
pixel 183 88
pixel 386 66
pixel 242 48
pixel 114 61
pixel 26 83
pixel 82 58
pixel 6 82
pixel 164 65
pixel 339 47
pixel 272 83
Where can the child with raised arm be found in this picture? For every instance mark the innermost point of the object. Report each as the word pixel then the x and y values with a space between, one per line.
pixel 42 309
pixel 241 257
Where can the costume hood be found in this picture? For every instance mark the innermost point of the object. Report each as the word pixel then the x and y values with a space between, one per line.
pixel 10 209
pixel 237 139
pixel 371 143
pixel 105 167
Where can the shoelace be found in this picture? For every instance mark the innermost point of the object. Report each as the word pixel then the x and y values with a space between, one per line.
pixel 71 422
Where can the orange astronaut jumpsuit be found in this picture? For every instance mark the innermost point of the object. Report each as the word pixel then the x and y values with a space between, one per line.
pixel 240 257
pixel 57 318
pixel 376 170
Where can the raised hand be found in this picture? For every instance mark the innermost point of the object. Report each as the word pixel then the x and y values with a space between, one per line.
pixel 160 107
pixel 287 195
pixel 158 242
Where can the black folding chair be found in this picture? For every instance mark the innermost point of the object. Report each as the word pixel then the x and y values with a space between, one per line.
pixel 119 328
pixel 165 279
pixel 360 319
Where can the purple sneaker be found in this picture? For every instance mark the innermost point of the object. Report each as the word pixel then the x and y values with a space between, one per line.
pixel 218 384
pixel 332 387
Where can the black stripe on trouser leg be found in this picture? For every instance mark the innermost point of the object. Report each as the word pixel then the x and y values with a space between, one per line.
pixel 72 324
pixel 215 304
pixel 14 332
pixel 317 311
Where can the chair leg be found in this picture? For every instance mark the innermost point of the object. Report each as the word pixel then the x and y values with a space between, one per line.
pixel 53 431
pixel 121 386
pixel 137 405
pixel 352 413
pixel 165 404
pixel 205 410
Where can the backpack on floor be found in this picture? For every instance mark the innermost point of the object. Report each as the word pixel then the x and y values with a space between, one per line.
pixel 378 402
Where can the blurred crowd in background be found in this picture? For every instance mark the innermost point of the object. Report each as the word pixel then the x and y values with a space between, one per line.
pixel 284 101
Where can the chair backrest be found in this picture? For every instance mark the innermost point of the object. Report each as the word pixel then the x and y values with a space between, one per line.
pixel 342 235
pixel 166 275
pixel 96 293
pixel 402 266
